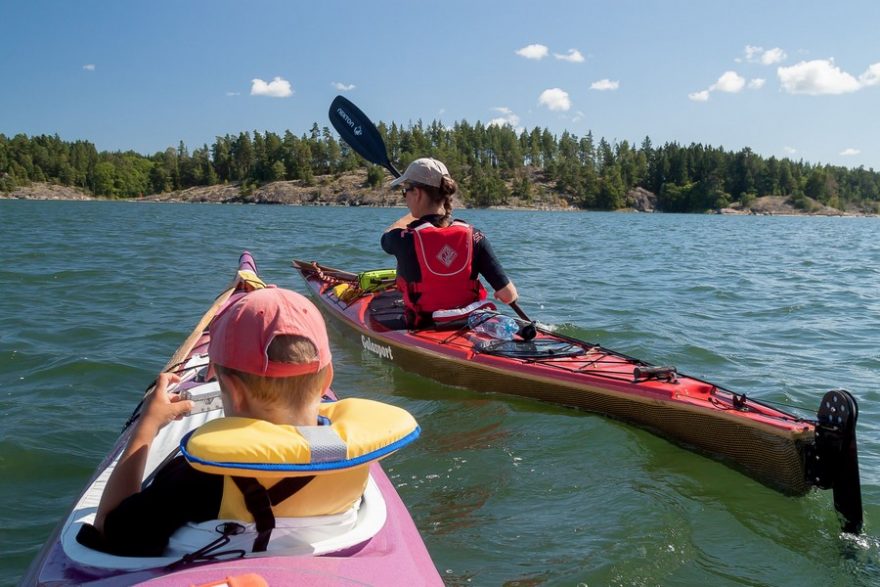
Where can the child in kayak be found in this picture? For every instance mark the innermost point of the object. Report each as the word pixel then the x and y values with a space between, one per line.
pixel 439 260
pixel 272 359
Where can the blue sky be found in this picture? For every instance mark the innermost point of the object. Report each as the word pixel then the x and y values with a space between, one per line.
pixel 790 78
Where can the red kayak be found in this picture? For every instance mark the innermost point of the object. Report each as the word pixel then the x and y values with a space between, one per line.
pixel 782 450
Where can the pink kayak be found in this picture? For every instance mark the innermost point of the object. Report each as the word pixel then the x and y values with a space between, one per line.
pixel 382 548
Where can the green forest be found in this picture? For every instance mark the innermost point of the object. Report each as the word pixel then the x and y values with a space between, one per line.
pixel 491 163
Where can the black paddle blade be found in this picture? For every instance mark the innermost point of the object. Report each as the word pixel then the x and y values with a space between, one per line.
pixel 528 331
pixel 360 133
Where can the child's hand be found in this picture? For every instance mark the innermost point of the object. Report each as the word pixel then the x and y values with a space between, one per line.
pixel 162 407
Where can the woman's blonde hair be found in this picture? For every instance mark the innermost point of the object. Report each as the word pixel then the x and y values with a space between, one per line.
pixel 297 391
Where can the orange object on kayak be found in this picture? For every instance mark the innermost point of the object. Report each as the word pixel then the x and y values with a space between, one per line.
pixel 248 580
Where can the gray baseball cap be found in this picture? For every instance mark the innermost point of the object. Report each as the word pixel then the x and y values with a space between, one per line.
pixel 425 171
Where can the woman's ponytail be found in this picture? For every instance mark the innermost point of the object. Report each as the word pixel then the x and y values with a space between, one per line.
pixel 448 187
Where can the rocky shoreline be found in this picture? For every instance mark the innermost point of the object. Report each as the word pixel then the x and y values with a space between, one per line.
pixel 46 191
pixel 351 190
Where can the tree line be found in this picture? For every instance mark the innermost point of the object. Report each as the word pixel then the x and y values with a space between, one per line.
pixel 493 164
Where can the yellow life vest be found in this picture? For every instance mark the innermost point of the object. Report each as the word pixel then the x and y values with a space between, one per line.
pixel 335 456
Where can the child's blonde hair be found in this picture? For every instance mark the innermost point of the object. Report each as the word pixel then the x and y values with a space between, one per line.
pixel 297 391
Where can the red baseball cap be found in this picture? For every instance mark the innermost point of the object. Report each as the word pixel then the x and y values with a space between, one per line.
pixel 241 335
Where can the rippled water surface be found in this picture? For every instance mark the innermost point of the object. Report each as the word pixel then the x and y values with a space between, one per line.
pixel 95 296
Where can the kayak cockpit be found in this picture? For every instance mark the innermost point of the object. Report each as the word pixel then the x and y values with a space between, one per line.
pixel 304 536
pixel 308 536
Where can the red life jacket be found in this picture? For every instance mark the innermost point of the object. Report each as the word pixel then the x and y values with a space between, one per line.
pixel 445 257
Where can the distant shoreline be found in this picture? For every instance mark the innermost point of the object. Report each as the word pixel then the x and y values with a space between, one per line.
pixel 350 194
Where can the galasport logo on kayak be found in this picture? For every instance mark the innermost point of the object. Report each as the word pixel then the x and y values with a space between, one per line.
pixel 356 129
pixel 377 349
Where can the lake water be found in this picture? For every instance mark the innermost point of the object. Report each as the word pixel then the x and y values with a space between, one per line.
pixel 95 296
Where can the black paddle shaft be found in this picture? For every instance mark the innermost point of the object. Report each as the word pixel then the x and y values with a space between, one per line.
pixel 528 331
pixel 360 133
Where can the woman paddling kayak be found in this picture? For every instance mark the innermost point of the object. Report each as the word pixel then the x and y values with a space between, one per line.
pixel 439 260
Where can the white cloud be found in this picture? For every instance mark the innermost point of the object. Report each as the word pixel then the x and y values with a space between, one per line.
pixel 756 83
pixel 535 51
pixel 89 67
pixel 730 81
pixel 277 88
pixel 573 56
pixel 850 152
pixel 774 55
pixel 343 87
pixel 789 150
pixel 507 117
pixel 759 55
pixel 871 77
pixel 604 85
pixel 817 77
pixel 555 99
pixel 578 116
